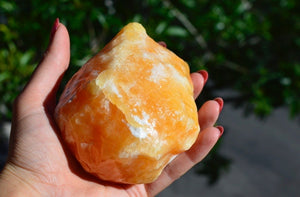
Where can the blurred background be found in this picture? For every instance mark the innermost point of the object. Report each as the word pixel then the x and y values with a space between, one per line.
pixel 249 47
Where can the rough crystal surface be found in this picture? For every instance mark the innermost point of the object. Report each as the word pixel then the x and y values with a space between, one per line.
pixel 129 110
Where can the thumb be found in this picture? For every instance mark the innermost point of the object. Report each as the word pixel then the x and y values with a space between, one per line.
pixel 41 88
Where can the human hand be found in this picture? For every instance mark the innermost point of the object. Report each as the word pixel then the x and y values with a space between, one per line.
pixel 39 164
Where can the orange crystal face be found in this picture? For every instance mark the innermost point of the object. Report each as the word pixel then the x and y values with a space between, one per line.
pixel 129 110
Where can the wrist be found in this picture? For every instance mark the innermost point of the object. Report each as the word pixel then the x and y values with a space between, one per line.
pixel 16 182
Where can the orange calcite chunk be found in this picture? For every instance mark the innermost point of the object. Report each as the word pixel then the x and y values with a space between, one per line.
pixel 129 110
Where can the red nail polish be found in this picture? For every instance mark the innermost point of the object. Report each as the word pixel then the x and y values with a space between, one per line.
pixel 54 28
pixel 221 129
pixel 220 102
pixel 162 43
pixel 204 74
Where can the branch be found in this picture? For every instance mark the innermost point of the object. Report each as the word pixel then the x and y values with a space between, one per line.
pixel 208 55
pixel 186 23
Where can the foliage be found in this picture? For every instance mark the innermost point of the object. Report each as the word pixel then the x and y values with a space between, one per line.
pixel 249 46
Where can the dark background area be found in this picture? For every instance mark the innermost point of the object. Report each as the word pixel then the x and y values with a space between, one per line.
pixel 249 47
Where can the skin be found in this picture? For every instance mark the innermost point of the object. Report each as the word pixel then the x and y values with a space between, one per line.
pixel 40 165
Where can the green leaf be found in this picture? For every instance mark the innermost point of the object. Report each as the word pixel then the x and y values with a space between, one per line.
pixel 176 31
pixel 160 27
pixel 7 5
pixel 4 76
pixel 25 58
pixel 189 3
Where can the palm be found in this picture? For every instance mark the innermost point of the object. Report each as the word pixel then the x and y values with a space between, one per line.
pixel 37 148
pixel 41 152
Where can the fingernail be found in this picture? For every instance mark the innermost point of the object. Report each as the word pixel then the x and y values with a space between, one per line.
pixel 221 129
pixel 220 102
pixel 54 28
pixel 162 43
pixel 204 74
